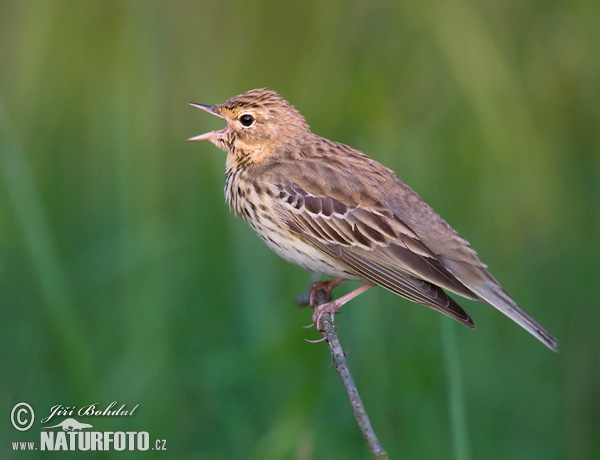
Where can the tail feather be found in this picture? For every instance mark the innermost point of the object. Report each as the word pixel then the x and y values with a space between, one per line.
pixel 499 299
pixel 479 281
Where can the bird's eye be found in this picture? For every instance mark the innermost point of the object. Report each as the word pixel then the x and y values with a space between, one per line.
pixel 247 120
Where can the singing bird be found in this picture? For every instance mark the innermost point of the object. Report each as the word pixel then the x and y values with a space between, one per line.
pixel 333 210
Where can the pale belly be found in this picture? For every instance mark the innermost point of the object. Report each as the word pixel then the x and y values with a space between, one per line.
pixel 298 252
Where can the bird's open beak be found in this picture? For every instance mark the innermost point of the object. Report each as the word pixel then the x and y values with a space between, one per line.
pixel 213 135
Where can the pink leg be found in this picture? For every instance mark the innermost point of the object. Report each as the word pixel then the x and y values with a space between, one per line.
pixel 331 307
pixel 326 286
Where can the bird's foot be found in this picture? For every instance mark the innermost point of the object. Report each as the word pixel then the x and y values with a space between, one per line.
pixel 331 306
pixel 324 308
pixel 319 311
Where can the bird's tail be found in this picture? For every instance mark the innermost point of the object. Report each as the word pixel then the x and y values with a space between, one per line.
pixel 489 290
pixel 499 299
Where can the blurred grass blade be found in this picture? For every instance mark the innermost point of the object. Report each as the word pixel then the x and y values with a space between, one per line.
pixel 29 213
pixel 456 399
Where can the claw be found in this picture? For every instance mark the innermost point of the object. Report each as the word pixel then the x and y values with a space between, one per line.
pixel 322 339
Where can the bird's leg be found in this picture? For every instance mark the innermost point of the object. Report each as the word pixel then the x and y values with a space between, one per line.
pixel 326 286
pixel 331 307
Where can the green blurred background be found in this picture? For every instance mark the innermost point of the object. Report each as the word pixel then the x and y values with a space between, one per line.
pixel 124 277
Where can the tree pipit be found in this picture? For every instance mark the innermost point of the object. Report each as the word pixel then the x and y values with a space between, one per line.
pixel 331 209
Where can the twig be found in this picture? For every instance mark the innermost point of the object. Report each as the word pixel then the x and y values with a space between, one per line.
pixel 341 366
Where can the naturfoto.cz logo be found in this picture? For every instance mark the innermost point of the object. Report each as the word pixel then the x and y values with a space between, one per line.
pixel 72 434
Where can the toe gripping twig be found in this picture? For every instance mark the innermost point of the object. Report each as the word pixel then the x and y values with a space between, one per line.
pixel 341 366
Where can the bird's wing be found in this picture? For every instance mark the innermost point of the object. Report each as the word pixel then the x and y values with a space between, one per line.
pixel 376 245
pixel 379 227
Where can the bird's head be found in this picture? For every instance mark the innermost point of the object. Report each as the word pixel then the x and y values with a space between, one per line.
pixel 259 123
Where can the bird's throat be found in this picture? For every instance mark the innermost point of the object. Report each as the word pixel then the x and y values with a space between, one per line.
pixel 242 155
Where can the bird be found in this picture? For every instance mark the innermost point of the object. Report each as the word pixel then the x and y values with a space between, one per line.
pixel 333 210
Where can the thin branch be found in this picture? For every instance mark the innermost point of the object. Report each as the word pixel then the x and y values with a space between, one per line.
pixel 341 366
